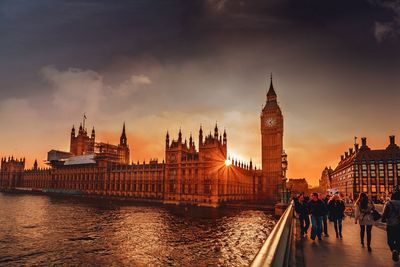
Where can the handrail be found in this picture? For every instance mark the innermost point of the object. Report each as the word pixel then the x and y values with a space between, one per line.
pixel 275 251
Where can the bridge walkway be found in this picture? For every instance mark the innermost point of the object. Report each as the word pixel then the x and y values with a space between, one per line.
pixel 332 251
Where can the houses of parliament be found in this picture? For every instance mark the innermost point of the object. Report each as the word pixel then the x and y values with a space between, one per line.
pixel 191 174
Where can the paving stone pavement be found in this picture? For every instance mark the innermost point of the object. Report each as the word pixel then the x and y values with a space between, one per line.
pixel 332 251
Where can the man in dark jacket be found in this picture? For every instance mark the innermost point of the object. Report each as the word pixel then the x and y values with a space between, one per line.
pixel 325 216
pixel 301 207
pixel 391 215
pixel 317 210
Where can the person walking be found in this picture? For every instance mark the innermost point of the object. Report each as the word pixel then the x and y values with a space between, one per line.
pixel 336 213
pixel 391 215
pixel 363 209
pixel 301 207
pixel 317 209
pixel 325 215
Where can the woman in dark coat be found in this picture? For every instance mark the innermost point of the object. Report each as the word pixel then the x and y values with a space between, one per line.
pixel 336 213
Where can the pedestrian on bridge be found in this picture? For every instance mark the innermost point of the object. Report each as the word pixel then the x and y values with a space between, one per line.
pixel 391 215
pixel 301 207
pixel 317 210
pixel 325 215
pixel 336 213
pixel 363 215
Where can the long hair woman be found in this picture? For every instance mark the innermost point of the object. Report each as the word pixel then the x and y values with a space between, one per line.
pixel 363 208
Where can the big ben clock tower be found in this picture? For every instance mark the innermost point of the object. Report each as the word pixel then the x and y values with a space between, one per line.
pixel 271 147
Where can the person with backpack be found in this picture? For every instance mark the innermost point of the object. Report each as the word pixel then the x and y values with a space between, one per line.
pixel 391 215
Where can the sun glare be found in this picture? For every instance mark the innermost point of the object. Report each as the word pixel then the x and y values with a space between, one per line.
pixel 228 162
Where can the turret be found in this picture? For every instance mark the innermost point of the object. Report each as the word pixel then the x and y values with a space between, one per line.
pixel 80 129
pixel 123 140
pixel 93 133
pixel 180 136
pixel 200 136
pixel 73 131
pixel 191 141
pixel 35 165
pixel 167 140
pixel 225 140
pixel 216 131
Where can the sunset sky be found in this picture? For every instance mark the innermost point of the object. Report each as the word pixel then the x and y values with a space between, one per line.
pixel 162 65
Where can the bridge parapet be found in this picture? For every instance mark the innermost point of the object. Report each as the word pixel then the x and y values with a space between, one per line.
pixel 276 250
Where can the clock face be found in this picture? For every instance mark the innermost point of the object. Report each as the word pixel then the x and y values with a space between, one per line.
pixel 270 122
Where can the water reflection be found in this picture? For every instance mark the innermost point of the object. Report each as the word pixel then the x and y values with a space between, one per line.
pixel 50 231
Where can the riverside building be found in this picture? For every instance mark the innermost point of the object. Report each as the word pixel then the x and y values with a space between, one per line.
pixel 362 169
pixel 202 175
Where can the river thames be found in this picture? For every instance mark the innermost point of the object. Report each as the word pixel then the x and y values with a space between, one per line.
pixel 42 230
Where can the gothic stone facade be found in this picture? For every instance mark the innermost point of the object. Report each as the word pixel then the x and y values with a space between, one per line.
pixel 189 175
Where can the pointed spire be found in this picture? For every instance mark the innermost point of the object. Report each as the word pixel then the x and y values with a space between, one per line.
pixel 216 131
pixel 190 140
pixel 73 130
pixel 225 140
pixel 167 140
pixel 200 136
pixel 180 135
pixel 123 140
pixel 271 95
pixel 93 132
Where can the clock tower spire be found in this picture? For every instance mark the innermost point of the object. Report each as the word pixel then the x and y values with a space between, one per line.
pixel 271 147
pixel 271 95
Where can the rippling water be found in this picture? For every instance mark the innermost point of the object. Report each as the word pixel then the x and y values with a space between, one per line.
pixel 41 230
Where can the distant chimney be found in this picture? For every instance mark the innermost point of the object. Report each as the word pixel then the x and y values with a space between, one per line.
pixel 350 151
pixel 346 154
pixel 341 157
pixel 392 140
pixel 363 141
pixel 356 148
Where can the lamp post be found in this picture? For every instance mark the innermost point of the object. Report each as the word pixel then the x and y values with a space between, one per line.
pixel 284 165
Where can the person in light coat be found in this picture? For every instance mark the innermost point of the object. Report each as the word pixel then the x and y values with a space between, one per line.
pixel 363 216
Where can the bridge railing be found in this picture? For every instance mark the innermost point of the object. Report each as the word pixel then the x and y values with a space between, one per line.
pixel 276 249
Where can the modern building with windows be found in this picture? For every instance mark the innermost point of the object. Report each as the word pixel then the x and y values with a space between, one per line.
pixel 362 169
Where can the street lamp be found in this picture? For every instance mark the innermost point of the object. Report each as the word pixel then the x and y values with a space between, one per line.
pixel 284 165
